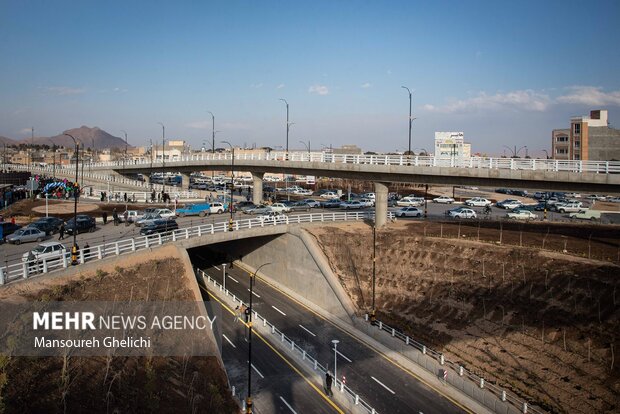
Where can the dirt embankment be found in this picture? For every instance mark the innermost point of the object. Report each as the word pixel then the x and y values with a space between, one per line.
pixel 117 384
pixel 541 323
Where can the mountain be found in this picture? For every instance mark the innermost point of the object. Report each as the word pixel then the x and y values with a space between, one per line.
pixel 7 141
pixel 88 136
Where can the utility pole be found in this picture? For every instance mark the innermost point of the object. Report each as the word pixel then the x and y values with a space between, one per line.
pixel 163 162
pixel 373 314
pixel 212 132
pixel 410 121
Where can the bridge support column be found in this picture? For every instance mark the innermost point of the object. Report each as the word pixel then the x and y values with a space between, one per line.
pixel 185 181
pixel 381 196
pixel 257 188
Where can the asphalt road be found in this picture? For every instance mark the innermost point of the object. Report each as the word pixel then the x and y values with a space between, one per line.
pixel 386 386
pixel 277 387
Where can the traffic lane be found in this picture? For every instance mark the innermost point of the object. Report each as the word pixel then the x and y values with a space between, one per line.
pixel 386 387
pixel 276 387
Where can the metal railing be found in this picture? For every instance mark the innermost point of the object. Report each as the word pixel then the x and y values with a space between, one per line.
pixel 295 349
pixel 599 167
pixel 30 268
pixel 470 383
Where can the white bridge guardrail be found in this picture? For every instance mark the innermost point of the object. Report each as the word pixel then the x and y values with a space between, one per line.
pixel 30 268
pixel 458 376
pixel 299 352
pixel 599 167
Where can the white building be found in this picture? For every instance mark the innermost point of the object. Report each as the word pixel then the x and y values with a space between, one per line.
pixel 451 145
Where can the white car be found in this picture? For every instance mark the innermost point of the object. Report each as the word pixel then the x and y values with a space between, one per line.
pixel 216 208
pixel 443 200
pixel 410 202
pixel 478 202
pixel 367 202
pixel 304 192
pixel 569 207
pixel 614 200
pixel 596 197
pixel 408 212
pixel 164 213
pixel 572 195
pixel 368 195
pixel 47 250
pixel 280 208
pixel 463 213
pixel 351 205
pixel 509 204
pixel 521 214
pixel 329 195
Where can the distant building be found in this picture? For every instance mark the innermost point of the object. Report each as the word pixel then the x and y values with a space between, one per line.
pixel 588 139
pixel 347 150
pixel 451 144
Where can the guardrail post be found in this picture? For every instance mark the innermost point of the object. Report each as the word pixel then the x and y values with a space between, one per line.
pixel 44 265
pixel 199 231
pixel 282 337
pixel 133 244
pixel 186 233
pixel 264 322
pixel 233 390
pixel 424 349
pixel 461 370
pixel 503 395
pixel 380 325
pixel 174 235
pixel 82 256
pixel 393 332
pixel 273 329
pixel 357 399
pixel 117 250
pixel 303 355
pixel 407 340
pixel 481 382
pixel 64 261
pixel 146 242
pixel 2 279
pixel 25 268
pixel 315 364
pixel 341 386
pixel 442 359
pixel 292 345
pixel 524 407
pixel 159 237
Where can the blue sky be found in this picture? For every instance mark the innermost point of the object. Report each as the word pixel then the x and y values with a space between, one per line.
pixel 502 72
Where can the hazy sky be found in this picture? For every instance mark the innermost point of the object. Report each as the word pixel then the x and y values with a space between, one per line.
pixel 502 72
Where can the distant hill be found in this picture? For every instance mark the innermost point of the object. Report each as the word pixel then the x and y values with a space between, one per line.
pixel 88 136
pixel 7 141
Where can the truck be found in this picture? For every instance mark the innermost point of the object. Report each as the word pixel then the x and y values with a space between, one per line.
pixel 198 209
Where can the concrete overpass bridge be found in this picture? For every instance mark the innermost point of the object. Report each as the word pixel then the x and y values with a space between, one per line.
pixel 587 176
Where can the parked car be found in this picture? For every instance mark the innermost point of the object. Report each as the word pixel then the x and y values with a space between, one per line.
pixel 312 203
pixel 521 214
pixel 330 195
pixel 45 251
pixel 503 191
pixel 44 226
pixel 534 207
pixel 164 213
pixel 25 235
pixel 596 197
pixel 132 216
pixel 443 200
pixel 463 213
pixel 613 199
pixel 478 202
pixel 262 209
pixel 218 208
pixel 159 226
pixel 244 205
pixel 84 224
pixel 333 203
pixel 367 202
pixel 280 208
pixel 299 206
pixel 146 219
pixel 54 221
pixel 408 212
pixel 569 207
pixel 509 204
pixel 573 195
pixel 410 202
pixel 351 205
pixel 520 193
pixel 368 195
pixel 586 215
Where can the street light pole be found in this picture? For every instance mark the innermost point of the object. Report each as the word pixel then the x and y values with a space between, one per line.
pixel 307 146
pixel 125 158
pixel 163 162
pixel 212 132
pixel 75 200
pixel 410 121
pixel 151 169
pixel 232 183
pixel 287 125
pixel 374 259
pixel 546 153
pixel 248 401
pixel 335 342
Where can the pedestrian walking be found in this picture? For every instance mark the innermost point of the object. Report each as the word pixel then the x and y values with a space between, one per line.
pixel 61 232
pixel 104 215
pixel 115 217
pixel 86 251
pixel 125 197
pixel 126 217
pixel 328 383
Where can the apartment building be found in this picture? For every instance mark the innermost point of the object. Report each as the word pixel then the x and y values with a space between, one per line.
pixel 589 138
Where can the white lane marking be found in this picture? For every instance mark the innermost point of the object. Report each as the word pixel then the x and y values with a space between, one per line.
pixel 382 384
pixel 255 294
pixel 278 310
pixel 217 267
pixel 306 329
pixel 342 355
pixel 288 405
pixel 230 277
pixel 231 344
pixel 261 375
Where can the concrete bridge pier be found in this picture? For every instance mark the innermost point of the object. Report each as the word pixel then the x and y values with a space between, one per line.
pixel 184 181
pixel 257 188
pixel 381 198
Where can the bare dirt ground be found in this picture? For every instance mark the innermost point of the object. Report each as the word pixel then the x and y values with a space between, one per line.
pixel 542 323
pixel 127 384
